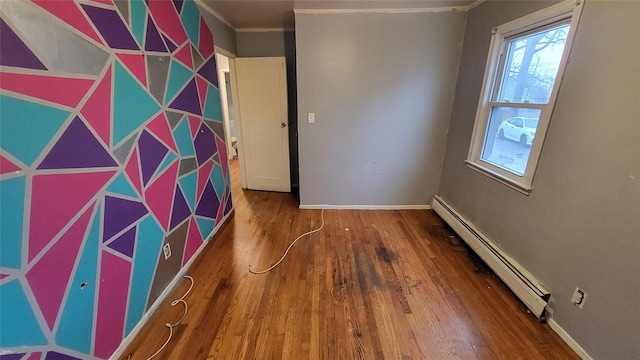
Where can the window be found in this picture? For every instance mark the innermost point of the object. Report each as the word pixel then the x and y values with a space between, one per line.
pixel 526 62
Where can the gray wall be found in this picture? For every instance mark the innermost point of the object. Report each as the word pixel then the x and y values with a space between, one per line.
pixel 381 86
pixel 581 224
pixel 278 43
pixel 223 36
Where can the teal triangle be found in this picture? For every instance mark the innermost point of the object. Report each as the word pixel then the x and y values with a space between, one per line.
pixel 168 160
pixel 217 178
pixel 19 326
pixel 11 217
pixel 122 186
pixel 132 105
pixel 178 77
pixel 76 323
pixel 206 226
pixel 190 17
pixel 27 127
pixel 188 185
pixel 182 135
pixel 138 18
pixel 144 266
pixel 212 109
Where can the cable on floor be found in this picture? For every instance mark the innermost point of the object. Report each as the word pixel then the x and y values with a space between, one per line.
pixel 288 248
pixel 171 326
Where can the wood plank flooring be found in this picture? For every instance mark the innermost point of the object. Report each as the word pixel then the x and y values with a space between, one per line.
pixel 370 285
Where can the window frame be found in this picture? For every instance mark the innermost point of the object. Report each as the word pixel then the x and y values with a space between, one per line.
pixel 568 12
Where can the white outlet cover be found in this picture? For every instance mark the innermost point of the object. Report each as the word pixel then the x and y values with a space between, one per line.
pixel 167 251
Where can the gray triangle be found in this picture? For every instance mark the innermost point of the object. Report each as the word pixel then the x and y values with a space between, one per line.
pixel 174 118
pixel 187 165
pixel 158 67
pixel 197 59
pixel 122 152
pixel 123 7
pixel 217 127
pixel 216 158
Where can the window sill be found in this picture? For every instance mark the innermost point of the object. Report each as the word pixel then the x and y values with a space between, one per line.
pixel 521 188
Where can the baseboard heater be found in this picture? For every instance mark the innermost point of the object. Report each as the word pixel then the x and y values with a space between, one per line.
pixel 521 282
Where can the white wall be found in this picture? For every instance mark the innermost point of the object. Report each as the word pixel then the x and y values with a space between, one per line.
pixel 381 87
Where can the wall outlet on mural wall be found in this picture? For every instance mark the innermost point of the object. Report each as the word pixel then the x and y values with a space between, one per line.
pixel 167 251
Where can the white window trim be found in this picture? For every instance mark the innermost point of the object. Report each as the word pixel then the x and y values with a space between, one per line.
pixel 566 10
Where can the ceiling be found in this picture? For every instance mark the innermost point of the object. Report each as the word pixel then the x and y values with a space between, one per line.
pixel 267 14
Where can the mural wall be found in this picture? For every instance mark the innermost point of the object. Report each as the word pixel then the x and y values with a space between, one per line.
pixel 111 145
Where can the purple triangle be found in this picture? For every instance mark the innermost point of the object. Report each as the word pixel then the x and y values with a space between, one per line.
pixel 178 5
pixel 12 356
pixel 170 45
pixel 124 243
pixel 205 144
pixel 120 213
pixel 227 207
pixel 209 202
pixel 52 355
pixel 209 71
pixel 153 41
pixel 14 52
pixel 152 153
pixel 77 148
pixel 188 99
pixel 111 27
pixel 181 210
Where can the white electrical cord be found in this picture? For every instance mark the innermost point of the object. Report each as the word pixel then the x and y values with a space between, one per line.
pixel 171 326
pixel 290 246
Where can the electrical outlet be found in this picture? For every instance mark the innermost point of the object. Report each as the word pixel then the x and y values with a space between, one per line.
pixel 167 251
pixel 578 298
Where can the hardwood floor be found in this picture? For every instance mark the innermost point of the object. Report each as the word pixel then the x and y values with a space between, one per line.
pixel 370 285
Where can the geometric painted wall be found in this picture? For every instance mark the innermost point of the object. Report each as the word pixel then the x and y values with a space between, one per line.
pixel 111 145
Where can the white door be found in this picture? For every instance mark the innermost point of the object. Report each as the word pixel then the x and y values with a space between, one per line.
pixel 263 123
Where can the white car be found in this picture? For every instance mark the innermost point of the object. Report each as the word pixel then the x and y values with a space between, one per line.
pixel 520 129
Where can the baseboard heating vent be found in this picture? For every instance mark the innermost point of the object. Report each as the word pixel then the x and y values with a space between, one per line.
pixel 521 282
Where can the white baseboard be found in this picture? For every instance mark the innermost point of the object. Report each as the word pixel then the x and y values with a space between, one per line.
pixel 569 340
pixel 134 332
pixel 366 207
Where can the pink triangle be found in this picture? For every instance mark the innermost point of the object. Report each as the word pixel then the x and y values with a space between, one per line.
pixel 65 91
pixel 194 241
pixel 184 56
pixel 160 128
pixel 159 195
pixel 222 152
pixel 48 278
pixel 55 199
pixel 115 273
pixel 194 125
pixel 7 166
pixel 206 40
pixel 203 177
pixel 167 19
pixel 201 83
pixel 2 276
pixel 133 171
pixel 34 356
pixel 97 109
pixel 69 12
pixel 136 64
pixel 220 213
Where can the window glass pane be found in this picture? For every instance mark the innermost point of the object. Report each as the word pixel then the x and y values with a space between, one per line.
pixel 532 65
pixel 509 136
